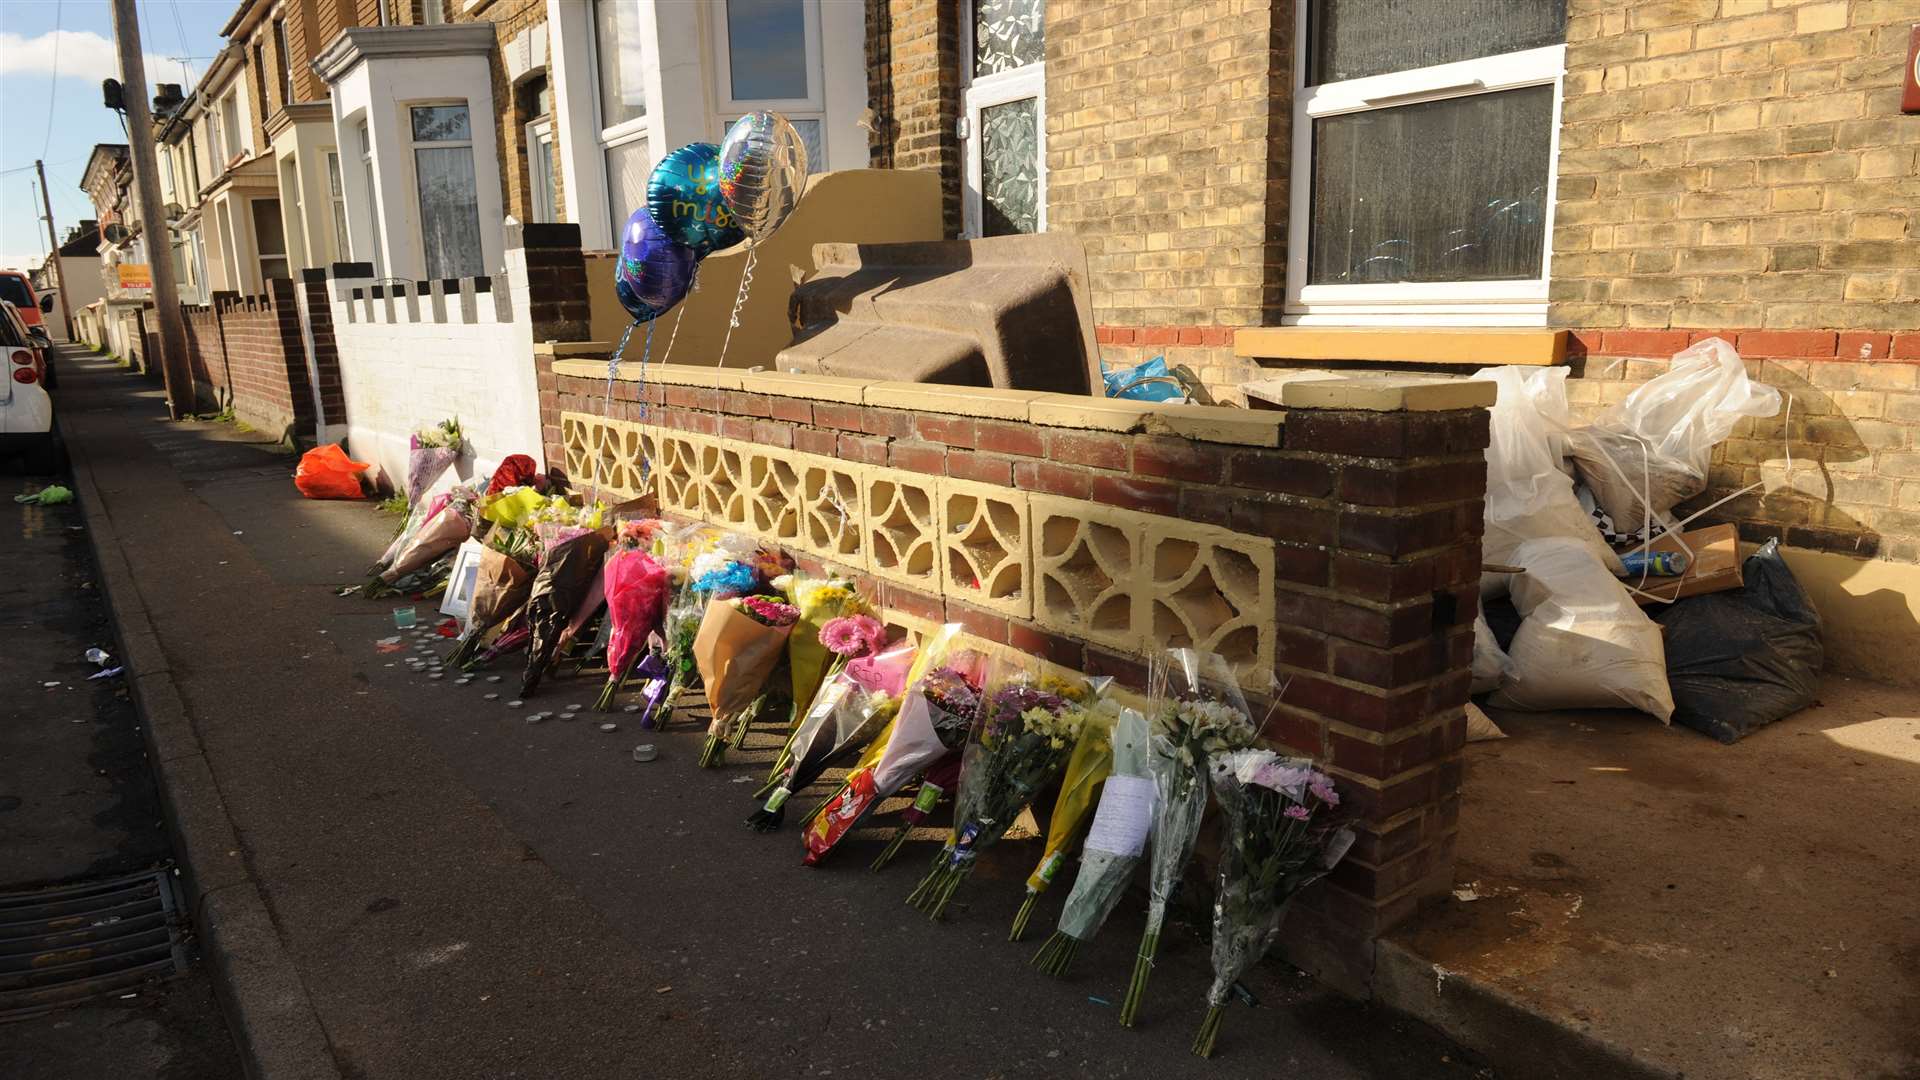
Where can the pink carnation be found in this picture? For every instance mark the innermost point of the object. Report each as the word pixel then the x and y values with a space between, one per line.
pixel 1296 812
pixel 853 635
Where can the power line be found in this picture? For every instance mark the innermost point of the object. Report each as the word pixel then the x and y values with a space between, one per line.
pixel 53 84
pixel 180 30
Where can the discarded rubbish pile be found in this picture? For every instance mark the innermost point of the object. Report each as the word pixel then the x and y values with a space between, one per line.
pixel 1581 536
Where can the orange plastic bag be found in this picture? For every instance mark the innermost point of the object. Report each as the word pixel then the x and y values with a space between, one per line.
pixel 326 472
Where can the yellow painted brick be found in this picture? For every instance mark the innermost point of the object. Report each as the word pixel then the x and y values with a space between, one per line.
pixel 1817 17
pixel 1786 200
pixel 1887 162
pixel 1750 28
pixel 1818 109
pixel 1673 40
pixel 1873 286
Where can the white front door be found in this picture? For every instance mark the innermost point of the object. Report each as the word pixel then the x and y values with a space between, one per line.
pixel 1003 60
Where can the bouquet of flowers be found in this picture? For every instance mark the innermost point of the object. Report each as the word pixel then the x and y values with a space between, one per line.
pixel 571 548
pixel 937 710
pixel 430 453
pixel 811 660
pixel 1029 724
pixel 1114 845
pixel 514 470
pixel 635 584
pixel 500 590
pixel 1197 711
pixel 513 507
pixel 1278 840
pixel 451 524
pixel 739 642
pixel 858 699
pixel 1087 770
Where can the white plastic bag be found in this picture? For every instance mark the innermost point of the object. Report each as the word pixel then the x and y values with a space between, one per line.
pixel 1583 643
pixel 1529 487
pixel 1651 451
pixel 1492 667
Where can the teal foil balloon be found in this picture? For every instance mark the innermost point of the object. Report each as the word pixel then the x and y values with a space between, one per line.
pixel 683 197
pixel 763 171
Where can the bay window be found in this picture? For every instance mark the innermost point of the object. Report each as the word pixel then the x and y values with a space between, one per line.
pixel 1424 138
pixel 621 62
pixel 449 198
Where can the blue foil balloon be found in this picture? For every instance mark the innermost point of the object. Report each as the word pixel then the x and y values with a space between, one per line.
pixel 653 271
pixel 683 195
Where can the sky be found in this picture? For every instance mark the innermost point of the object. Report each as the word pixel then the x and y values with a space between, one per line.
pixel 53 55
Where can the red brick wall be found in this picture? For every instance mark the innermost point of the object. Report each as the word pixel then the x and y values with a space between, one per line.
pixel 247 353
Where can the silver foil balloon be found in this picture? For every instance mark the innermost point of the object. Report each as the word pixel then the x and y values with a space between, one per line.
pixel 763 171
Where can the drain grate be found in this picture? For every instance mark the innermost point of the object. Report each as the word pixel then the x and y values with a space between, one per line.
pixel 64 945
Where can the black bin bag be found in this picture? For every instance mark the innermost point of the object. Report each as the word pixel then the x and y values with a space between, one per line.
pixel 1740 659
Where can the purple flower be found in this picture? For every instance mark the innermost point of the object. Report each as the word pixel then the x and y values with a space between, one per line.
pixel 1296 812
pixel 1322 789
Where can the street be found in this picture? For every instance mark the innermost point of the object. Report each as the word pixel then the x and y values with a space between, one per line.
pixel 78 804
pixel 463 894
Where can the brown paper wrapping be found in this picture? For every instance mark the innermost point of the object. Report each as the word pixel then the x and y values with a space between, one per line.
pixel 502 586
pixel 735 653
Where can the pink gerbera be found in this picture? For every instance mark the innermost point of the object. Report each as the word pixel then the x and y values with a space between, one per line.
pixel 853 635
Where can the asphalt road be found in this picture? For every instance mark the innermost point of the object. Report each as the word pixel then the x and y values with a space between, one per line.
pixel 469 895
pixel 78 803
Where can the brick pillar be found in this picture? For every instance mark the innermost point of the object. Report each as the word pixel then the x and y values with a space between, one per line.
pixel 1377 587
pixel 555 279
pixel 316 311
pixel 913 83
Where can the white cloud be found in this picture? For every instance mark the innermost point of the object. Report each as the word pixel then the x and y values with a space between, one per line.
pixel 82 54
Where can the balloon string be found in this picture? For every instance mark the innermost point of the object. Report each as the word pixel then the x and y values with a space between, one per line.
pixel 692 287
pixel 606 400
pixel 739 301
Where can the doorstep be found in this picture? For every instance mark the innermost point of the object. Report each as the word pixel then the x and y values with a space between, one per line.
pixel 1635 900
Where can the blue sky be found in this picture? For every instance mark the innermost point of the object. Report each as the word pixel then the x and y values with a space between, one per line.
pixel 52 98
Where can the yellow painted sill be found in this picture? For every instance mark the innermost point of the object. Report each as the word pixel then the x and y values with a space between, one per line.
pixel 1475 346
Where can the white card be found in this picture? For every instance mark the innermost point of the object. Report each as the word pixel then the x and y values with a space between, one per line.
pixel 1125 816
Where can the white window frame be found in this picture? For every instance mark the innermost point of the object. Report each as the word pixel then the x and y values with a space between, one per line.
pixel 1465 303
pixel 364 132
pixel 811 107
pixel 636 130
pixel 337 203
pixel 1028 81
pixel 540 133
pixel 283 55
pixel 414 146
pixel 261 256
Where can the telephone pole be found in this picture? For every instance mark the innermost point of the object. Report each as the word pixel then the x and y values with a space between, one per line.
pixel 174 368
pixel 53 246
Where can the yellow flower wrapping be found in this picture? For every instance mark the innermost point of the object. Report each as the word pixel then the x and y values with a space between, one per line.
pixel 1087 769
pixel 819 601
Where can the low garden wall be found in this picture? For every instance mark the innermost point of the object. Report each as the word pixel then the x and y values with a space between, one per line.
pixel 1331 551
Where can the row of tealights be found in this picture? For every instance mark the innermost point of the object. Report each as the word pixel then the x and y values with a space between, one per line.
pixel 424 660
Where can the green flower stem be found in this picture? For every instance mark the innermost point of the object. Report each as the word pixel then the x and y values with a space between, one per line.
pixel 714 753
pixel 1022 916
pixel 1209 1031
pixel 1142 968
pixel 822 805
pixel 954 877
pixel 1055 956
pixel 930 883
pixel 893 847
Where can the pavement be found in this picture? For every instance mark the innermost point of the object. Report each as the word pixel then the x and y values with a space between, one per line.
pixel 1668 906
pixel 78 801
pixel 404 880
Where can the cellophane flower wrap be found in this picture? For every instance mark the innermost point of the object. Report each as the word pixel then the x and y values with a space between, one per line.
pixel 1115 844
pixel 739 642
pixel 820 601
pixel 1080 786
pixel 1029 724
pixel 850 710
pixel 442 533
pixel 500 589
pixel 572 548
pixel 636 588
pixel 430 453
pixel 1196 711
pixel 418 514
pixel 1278 837
pixel 941 700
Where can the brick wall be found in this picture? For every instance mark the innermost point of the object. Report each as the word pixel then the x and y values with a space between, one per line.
pixel 1334 556
pixel 1167 155
pixel 248 353
pixel 1737 171
pixel 509 18
pixel 913 86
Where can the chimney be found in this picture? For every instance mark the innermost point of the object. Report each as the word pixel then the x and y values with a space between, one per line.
pixel 168 99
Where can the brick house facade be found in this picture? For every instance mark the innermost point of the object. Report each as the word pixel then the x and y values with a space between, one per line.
pixel 1722 167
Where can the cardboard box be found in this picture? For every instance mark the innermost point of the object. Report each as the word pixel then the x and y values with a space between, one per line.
pixel 1715 566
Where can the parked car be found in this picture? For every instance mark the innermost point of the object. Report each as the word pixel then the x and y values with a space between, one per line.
pixel 26 409
pixel 33 310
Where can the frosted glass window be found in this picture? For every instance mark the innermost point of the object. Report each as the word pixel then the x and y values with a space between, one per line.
pixel 1351 39
pixel 1010 168
pixel 449 205
pixel 1008 34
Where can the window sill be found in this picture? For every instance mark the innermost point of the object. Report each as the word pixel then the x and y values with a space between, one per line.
pixel 1477 346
